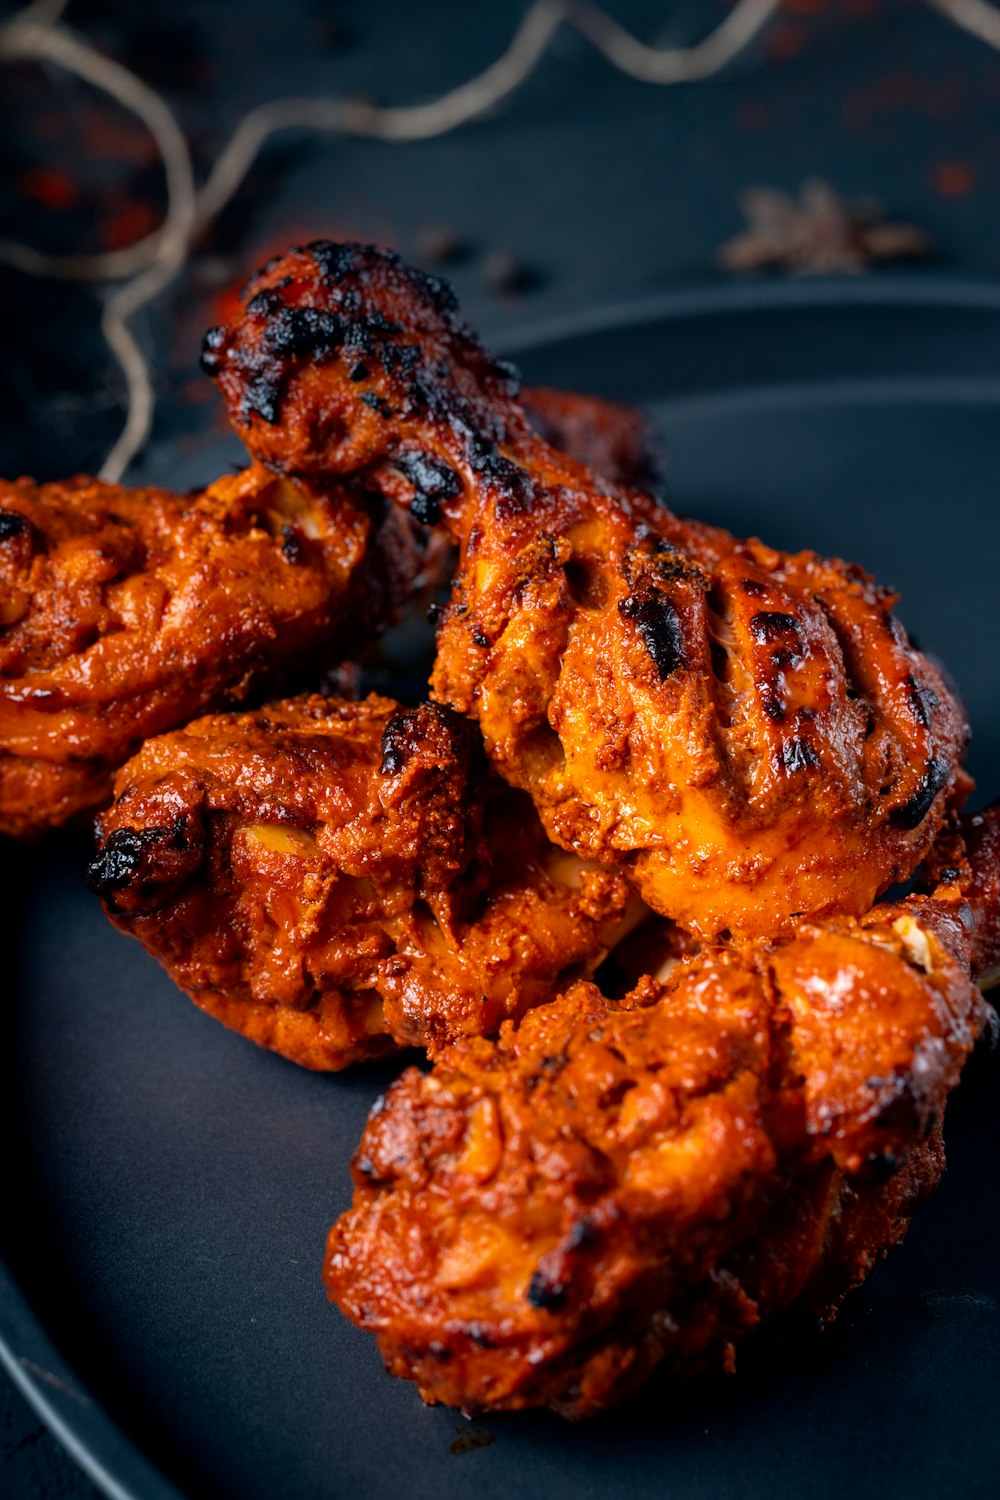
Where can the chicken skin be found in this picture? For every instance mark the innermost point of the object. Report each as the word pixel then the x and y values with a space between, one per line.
pixel 126 612
pixel 618 441
pixel 338 880
pixel 616 1186
pixel 749 734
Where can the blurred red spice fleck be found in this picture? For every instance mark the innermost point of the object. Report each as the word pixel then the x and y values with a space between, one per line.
pixel 934 99
pixel 132 221
pixel 51 188
pixel 787 39
pixel 953 179
pixel 755 116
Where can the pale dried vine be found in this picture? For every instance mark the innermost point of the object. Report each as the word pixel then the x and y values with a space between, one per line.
pixel 146 267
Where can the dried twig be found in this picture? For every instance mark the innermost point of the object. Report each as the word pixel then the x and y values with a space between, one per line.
pixel 152 262
pixel 975 16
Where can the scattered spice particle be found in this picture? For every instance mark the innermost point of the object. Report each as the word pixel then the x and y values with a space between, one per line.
pixel 818 233
pixel 787 39
pixel 755 116
pixel 939 98
pixel 953 179
pixel 131 222
pixel 440 245
pixel 53 189
pixel 471 1437
pixel 503 272
pixel 195 392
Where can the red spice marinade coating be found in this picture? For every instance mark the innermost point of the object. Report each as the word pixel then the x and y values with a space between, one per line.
pixel 749 734
pixel 124 613
pixel 337 880
pixel 616 1186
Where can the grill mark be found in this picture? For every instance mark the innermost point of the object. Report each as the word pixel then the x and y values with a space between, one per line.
pixel 659 625
pixel 913 812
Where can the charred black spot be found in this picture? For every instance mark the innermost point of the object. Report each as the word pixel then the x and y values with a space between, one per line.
pixel 883 1164
pixel 544 1293
pixel 301 332
pixel 948 876
pixel 397 359
pixel 923 700
pixel 753 587
pixel 211 344
pixel 433 481
pixel 121 857
pixel 12 524
pixel 378 321
pixel 581 1235
pixel 480 639
pixel 508 373
pixel 358 371
pixel 514 487
pixel 770 624
pixel 393 757
pixel 264 304
pixel 912 813
pixel 798 755
pixel 263 396
pixel 480 1336
pixel 659 625
pixel 895 628
pixel 773 705
pixel 293 546
pixel 483 455
pixel 337 260
pixel 377 403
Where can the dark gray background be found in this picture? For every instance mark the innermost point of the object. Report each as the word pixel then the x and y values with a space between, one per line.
pixel 602 189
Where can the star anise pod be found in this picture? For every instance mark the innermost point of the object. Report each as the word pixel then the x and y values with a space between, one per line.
pixel 817 233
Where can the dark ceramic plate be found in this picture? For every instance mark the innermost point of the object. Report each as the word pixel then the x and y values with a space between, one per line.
pixel 168 1187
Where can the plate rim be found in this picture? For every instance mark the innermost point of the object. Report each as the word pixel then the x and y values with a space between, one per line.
pixel 759 294
pixel 102 1448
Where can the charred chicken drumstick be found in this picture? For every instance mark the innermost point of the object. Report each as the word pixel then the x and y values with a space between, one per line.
pixel 750 734
pixel 336 880
pixel 125 612
pixel 544 1219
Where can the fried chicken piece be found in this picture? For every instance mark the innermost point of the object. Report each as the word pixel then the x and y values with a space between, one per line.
pixel 337 880
pixel 748 733
pixel 611 1187
pixel 126 612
